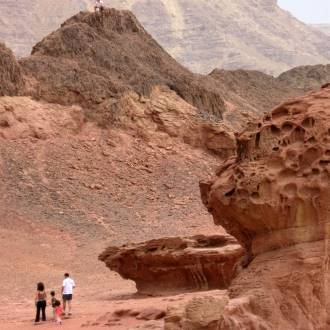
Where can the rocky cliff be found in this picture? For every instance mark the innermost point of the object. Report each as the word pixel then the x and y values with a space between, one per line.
pixel 202 35
pixel 273 197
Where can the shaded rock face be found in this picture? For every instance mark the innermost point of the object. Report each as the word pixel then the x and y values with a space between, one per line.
pixel 95 58
pixel 273 197
pixel 11 79
pixel 176 264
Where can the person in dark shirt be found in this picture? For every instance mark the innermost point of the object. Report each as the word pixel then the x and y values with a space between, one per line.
pixel 41 302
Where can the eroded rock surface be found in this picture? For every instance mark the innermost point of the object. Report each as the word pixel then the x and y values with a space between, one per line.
pixel 176 264
pixel 274 198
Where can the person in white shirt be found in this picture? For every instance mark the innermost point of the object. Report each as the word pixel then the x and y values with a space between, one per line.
pixel 99 5
pixel 67 292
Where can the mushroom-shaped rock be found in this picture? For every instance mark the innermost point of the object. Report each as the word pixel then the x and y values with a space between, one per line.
pixel 176 264
pixel 274 198
pixel 276 192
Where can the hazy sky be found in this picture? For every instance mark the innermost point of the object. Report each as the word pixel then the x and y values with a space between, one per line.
pixel 309 11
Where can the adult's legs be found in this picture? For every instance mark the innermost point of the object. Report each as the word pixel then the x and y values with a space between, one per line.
pixel 64 305
pixel 69 305
pixel 43 309
pixel 38 312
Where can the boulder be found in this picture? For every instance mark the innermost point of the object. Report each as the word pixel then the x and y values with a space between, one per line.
pixel 176 264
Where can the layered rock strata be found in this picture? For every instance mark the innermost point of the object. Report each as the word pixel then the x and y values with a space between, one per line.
pixel 274 198
pixel 176 264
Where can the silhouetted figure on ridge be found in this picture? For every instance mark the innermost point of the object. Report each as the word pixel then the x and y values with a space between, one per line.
pixel 99 6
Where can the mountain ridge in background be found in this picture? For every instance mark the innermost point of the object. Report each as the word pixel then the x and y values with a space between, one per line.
pixel 201 35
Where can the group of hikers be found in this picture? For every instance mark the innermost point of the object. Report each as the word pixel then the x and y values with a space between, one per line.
pixel 58 311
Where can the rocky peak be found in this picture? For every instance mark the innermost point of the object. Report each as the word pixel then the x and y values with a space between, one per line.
pixel 93 58
pixel 119 21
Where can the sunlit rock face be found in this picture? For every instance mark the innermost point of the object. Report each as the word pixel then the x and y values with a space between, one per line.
pixel 274 198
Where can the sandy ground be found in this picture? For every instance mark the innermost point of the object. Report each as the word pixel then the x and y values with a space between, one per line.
pixel 63 201
pixel 33 255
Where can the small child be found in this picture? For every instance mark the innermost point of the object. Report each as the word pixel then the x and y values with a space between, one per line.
pixel 53 303
pixel 58 312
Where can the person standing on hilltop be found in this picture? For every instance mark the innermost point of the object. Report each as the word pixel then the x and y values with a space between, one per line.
pixel 40 301
pixel 67 292
pixel 99 5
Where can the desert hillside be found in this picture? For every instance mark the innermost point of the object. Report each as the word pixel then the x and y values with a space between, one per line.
pixel 202 35
pixel 104 139
pixel 94 154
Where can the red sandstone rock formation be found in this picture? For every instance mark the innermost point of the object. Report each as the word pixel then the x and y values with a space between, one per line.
pixel 176 264
pixel 274 198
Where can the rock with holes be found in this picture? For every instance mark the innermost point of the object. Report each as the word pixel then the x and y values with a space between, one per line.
pixel 176 264
pixel 274 198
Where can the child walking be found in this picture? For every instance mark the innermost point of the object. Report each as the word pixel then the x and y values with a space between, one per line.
pixel 58 312
pixel 53 303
